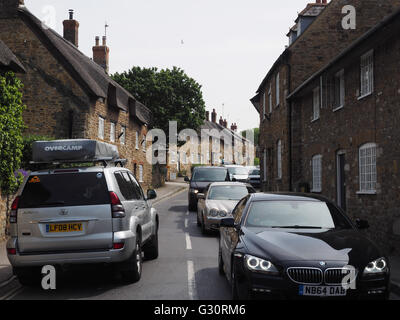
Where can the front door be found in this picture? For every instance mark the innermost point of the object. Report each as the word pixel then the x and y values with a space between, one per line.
pixel 341 179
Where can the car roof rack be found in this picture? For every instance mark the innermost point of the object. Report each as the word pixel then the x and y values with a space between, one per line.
pixel 59 152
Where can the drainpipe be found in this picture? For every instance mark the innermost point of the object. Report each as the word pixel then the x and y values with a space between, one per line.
pixel 289 119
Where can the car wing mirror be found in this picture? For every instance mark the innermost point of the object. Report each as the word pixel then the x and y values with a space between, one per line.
pixel 187 179
pixel 228 223
pixel 201 196
pixel 362 224
pixel 151 194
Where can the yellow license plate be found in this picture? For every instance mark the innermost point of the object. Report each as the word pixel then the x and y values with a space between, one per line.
pixel 64 228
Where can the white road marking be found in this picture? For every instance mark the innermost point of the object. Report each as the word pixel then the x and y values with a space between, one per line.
pixel 187 213
pixel 191 281
pixel 186 223
pixel 188 242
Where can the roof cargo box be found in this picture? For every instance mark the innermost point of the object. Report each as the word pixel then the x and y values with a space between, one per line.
pixel 73 151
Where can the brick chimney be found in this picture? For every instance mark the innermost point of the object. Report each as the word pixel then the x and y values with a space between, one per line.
pixel 322 1
pixel 221 121
pixel 208 115
pixel 233 127
pixel 226 124
pixel 9 8
pixel 71 29
pixel 214 116
pixel 101 54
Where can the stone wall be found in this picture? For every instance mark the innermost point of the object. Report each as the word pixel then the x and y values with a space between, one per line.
pixel 3 217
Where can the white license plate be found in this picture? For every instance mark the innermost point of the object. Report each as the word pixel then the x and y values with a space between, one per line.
pixel 322 291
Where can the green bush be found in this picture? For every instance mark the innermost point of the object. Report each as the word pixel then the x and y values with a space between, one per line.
pixel 27 150
pixel 11 127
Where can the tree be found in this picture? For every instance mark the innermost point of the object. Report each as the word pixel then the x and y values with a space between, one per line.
pixel 171 95
pixel 256 135
pixel 11 127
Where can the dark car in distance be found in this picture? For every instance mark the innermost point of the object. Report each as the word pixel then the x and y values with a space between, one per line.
pixel 295 246
pixel 201 178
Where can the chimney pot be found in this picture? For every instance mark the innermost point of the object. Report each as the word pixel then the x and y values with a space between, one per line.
pixel 71 14
pixel 104 41
pixel 101 54
pixel 97 41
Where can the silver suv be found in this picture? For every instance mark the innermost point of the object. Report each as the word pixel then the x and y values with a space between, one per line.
pixel 82 216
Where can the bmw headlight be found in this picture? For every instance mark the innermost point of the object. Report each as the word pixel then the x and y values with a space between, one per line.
pixel 376 267
pixel 255 264
pixel 213 213
pixel 223 213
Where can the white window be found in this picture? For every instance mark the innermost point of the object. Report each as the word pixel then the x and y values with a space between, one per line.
pixel 277 80
pixel 279 159
pixel 367 74
pixel 101 128
pixel 137 140
pixel 144 144
pixel 317 173
pixel 112 132
pixel 338 90
pixel 368 173
pixel 123 135
pixel 141 173
pixel 265 173
pixel 316 104
pixel 270 99
pixel 264 107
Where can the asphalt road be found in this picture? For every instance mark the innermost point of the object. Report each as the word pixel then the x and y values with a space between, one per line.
pixel 186 269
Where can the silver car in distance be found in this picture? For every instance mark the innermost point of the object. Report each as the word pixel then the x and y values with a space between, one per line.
pixel 218 201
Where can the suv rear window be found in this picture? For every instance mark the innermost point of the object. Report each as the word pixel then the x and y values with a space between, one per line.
pixel 65 190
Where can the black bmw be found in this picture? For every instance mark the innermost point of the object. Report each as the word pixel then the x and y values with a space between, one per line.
pixel 292 246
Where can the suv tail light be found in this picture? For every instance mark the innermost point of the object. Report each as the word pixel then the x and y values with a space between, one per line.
pixel 117 209
pixel 14 210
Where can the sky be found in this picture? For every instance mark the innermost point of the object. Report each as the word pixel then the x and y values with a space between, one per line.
pixel 227 46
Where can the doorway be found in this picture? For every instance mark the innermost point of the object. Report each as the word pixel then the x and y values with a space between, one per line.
pixel 341 179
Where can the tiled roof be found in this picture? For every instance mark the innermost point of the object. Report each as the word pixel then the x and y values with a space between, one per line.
pixel 85 71
pixel 8 60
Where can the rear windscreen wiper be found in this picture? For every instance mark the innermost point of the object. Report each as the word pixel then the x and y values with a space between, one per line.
pixel 299 227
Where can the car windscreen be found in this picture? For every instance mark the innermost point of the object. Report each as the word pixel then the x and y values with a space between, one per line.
pixel 239 171
pixel 209 175
pixel 65 190
pixel 295 214
pixel 227 193
pixel 254 173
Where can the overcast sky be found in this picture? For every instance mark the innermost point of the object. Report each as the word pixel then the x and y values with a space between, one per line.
pixel 226 45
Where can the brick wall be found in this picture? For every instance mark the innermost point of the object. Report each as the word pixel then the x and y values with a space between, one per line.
pixel 128 150
pixel 372 119
pixel 50 93
pixel 318 45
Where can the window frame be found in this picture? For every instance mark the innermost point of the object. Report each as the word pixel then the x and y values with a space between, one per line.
pixel 316 168
pixel 367 65
pixel 277 91
pixel 113 131
pixel 141 173
pixel 101 128
pixel 372 166
pixel 137 138
pixel 340 76
pixel 122 139
pixel 316 115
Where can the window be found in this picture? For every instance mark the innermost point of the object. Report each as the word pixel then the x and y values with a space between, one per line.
pixel 368 173
pixel 144 144
pixel 141 173
pixel 277 90
pixel 123 135
pixel 367 74
pixel 137 140
pixel 338 90
pixel 270 98
pixel 317 173
pixel 112 132
pixel 316 104
pixel 101 128
pixel 264 107
pixel 279 159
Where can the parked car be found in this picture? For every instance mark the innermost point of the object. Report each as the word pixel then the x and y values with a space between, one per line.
pixel 82 216
pixel 299 246
pixel 238 173
pixel 201 178
pixel 218 201
pixel 254 178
